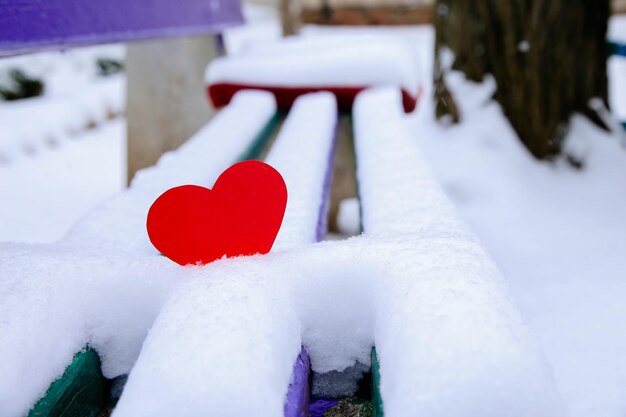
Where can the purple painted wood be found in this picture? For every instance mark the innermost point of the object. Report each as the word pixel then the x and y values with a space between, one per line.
pixel 322 220
pixel 297 402
pixel 318 407
pixel 29 25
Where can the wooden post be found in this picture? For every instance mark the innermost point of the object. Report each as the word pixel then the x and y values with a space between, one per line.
pixel 166 100
pixel 290 16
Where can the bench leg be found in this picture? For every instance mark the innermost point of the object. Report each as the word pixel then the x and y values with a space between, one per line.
pixel 166 101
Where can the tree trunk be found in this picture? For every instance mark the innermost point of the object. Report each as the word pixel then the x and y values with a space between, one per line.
pixel 548 58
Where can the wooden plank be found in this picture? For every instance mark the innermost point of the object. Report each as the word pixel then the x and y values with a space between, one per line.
pixel 81 390
pixel 30 25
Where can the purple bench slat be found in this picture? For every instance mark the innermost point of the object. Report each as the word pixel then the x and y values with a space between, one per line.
pixel 30 25
pixel 322 220
pixel 297 402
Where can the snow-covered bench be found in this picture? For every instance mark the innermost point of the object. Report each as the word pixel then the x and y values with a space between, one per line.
pixel 226 336
pixel 117 230
pixel 417 285
pixel 70 289
pixel 205 368
pixel 343 65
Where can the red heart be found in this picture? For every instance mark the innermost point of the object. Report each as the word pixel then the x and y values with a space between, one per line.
pixel 241 215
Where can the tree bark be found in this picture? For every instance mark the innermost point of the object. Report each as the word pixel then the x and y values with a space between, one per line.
pixel 548 58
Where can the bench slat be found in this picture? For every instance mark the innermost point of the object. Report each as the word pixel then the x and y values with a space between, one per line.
pixel 442 305
pixel 254 115
pixel 398 194
pixel 233 134
pixel 30 25
pixel 241 329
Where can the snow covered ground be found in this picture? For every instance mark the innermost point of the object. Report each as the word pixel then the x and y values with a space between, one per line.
pixel 64 152
pixel 43 195
pixel 558 235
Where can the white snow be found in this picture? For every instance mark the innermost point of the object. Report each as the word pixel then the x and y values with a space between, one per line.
pixel 42 196
pixel 64 152
pixel 55 300
pixel 92 287
pixel 224 344
pixel 617 28
pixel 556 233
pixel 348 217
pixel 75 99
pixel 407 36
pixel 262 25
pixel 448 337
pixel 353 62
pixel 301 154
pixel 120 222
pixel 241 333
pixel 388 181
pixel 213 148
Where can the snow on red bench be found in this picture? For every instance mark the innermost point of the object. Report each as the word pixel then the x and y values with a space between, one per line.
pixel 226 342
pixel 298 66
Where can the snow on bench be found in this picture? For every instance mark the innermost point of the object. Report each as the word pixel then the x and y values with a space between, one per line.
pixel 230 136
pixel 448 338
pixel 417 285
pixel 398 194
pixel 55 301
pixel 226 342
pixel 92 287
pixel 297 66
pixel 309 131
